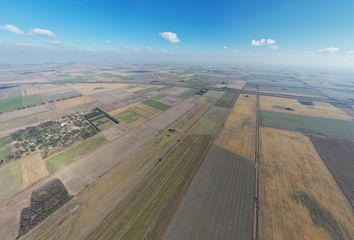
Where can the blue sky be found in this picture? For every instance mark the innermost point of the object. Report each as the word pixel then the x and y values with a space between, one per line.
pixel 224 27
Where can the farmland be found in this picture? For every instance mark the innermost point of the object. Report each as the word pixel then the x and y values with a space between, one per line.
pixel 316 109
pixel 59 160
pixel 175 152
pixel 338 154
pixel 238 134
pixel 308 124
pixel 221 196
pixel 299 197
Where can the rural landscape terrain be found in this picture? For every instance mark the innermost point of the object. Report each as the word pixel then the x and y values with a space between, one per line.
pixel 118 151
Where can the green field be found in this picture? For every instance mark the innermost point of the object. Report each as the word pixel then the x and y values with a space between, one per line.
pixel 155 104
pixel 14 103
pixel 128 116
pixel 4 141
pixel 199 81
pixel 4 152
pixel 308 124
pixel 59 160
pixel 211 122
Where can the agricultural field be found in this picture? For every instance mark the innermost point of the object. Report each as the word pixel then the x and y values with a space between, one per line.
pixel 59 160
pixel 308 124
pixel 238 134
pixel 211 122
pixel 20 174
pixel 338 154
pixel 20 102
pixel 227 100
pixel 100 119
pixel 156 104
pixel 299 197
pixel 134 114
pixel 13 124
pixel 219 201
pixel 316 109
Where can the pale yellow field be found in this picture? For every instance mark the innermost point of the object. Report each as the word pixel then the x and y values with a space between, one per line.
pixel 239 84
pixel 91 88
pixel 299 197
pixel 319 109
pixel 73 102
pixel 32 169
pixel 238 134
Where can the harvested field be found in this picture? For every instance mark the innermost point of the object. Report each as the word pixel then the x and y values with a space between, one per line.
pixel 227 100
pixel 73 102
pixel 92 88
pixel 22 113
pixel 156 104
pixel 58 161
pixel 307 92
pixel 238 84
pixel 8 126
pixel 120 187
pixel 317 109
pixel 16 176
pixel 79 104
pixel 308 124
pixel 338 155
pixel 176 91
pixel 219 201
pixel 211 122
pixel 299 197
pixel 171 115
pixel 116 131
pixel 171 101
pixel 32 169
pixel 148 214
pixel 59 95
pixel 238 134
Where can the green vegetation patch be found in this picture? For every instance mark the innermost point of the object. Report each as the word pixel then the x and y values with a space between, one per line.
pixel 211 122
pixel 59 160
pixel 15 103
pixel 128 116
pixel 199 81
pixel 4 141
pixel 308 124
pixel 5 151
pixel 321 217
pixel 155 104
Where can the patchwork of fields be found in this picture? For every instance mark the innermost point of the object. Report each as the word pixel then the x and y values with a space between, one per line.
pixel 178 153
pixel 299 197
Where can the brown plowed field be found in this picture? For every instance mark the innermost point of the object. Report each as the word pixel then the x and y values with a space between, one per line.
pixel 219 201
pixel 338 155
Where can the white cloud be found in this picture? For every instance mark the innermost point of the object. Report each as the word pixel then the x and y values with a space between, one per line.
pixel 226 48
pixel 329 50
pixel 107 42
pixel 275 47
pixel 236 51
pixel 42 32
pixel 263 42
pixel 170 36
pixel 12 28
pixel 350 53
pixel 27 44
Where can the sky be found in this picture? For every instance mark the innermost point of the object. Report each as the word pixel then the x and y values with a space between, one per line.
pixel 302 32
